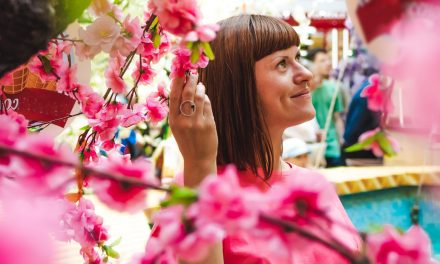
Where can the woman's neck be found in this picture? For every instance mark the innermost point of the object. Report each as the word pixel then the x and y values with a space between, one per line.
pixel 276 136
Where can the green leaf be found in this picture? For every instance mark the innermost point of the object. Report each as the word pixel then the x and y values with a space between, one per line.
pixel 355 147
pixel 154 23
pixel 190 45
pixel 116 242
pixel 385 145
pixel 84 128
pixel 208 51
pixel 156 39
pixel 46 63
pixel 111 252
pixel 180 195
pixel 195 56
pixel 361 145
pixel 67 11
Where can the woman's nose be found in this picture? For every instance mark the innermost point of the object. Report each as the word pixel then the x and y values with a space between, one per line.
pixel 302 75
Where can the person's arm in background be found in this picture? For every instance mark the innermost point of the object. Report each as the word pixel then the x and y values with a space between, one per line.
pixel 337 117
pixel 339 124
pixel 196 137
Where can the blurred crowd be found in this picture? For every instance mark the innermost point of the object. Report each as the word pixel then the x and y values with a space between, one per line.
pixel 342 114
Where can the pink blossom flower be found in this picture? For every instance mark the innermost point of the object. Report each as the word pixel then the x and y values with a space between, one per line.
pixel 63 47
pixel 177 17
pixel 39 177
pixel 27 243
pixel 17 127
pixel 36 66
pixel 113 80
pixel 81 224
pixel 68 80
pixel 101 33
pixel 390 247
pixel 173 240
pixel 415 68
pixel 196 245
pixel 133 31
pixel 377 97
pixel 300 197
pixel 91 102
pixel 108 145
pixel 182 62
pixel 162 91
pixel 90 155
pixel 100 7
pixel 149 52
pixel 205 33
pixel 86 52
pixel 15 118
pixel 133 116
pixel 91 256
pixel 145 75
pixel 120 195
pixel 107 120
pixel 157 110
pixel 237 210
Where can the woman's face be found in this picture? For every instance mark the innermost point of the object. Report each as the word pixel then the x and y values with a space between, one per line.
pixel 282 86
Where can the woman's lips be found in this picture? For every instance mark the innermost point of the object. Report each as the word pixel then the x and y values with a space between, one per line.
pixel 301 94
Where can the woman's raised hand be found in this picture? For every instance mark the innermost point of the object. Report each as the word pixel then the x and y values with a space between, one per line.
pixel 192 123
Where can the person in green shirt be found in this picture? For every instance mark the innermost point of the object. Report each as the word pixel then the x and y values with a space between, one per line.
pixel 322 94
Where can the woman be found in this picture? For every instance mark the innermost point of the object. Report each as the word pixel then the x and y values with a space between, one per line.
pixel 255 89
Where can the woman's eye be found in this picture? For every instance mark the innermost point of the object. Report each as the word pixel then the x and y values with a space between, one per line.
pixel 282 64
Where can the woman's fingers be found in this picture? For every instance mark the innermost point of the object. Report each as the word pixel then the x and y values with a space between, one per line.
pixel 188 92
pixel 199 100
pixel 176 95
pixel 207 109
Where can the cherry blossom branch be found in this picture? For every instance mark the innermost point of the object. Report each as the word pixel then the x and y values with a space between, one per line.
pixel 67 39
pixel 291 227
pixel 132 92
pixel 54 120
pixel 133 52
pixel 85 170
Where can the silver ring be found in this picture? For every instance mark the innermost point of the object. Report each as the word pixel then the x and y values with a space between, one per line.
pixel 184 109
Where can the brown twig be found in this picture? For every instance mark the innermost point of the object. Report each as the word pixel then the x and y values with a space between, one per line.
pixel 85 170
pixel 291 227
pixel 54 120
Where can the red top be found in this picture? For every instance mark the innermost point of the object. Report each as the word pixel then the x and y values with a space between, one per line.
pixel 236 248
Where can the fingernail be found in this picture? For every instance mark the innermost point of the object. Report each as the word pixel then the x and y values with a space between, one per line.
pixel 200 90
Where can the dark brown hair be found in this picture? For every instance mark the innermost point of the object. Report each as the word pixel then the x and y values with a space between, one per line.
pixel 231 86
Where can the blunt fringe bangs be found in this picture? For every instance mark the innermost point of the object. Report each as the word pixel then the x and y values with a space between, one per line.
pixel 230 84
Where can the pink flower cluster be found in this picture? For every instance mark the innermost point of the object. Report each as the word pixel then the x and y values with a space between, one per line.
pixel 176 16
pixel 147 49
pixel 205 33
pixel 179 237
pixel 157 105
pixel 302 199
pixel 123 195
pixel 105 34
pixel 81 224
pixel 32 175
pixel 391 247
pixel 112 74
pixel 182 62
pixel 415 69
pixel 233 211
pixel 378 99
pixel 24 242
